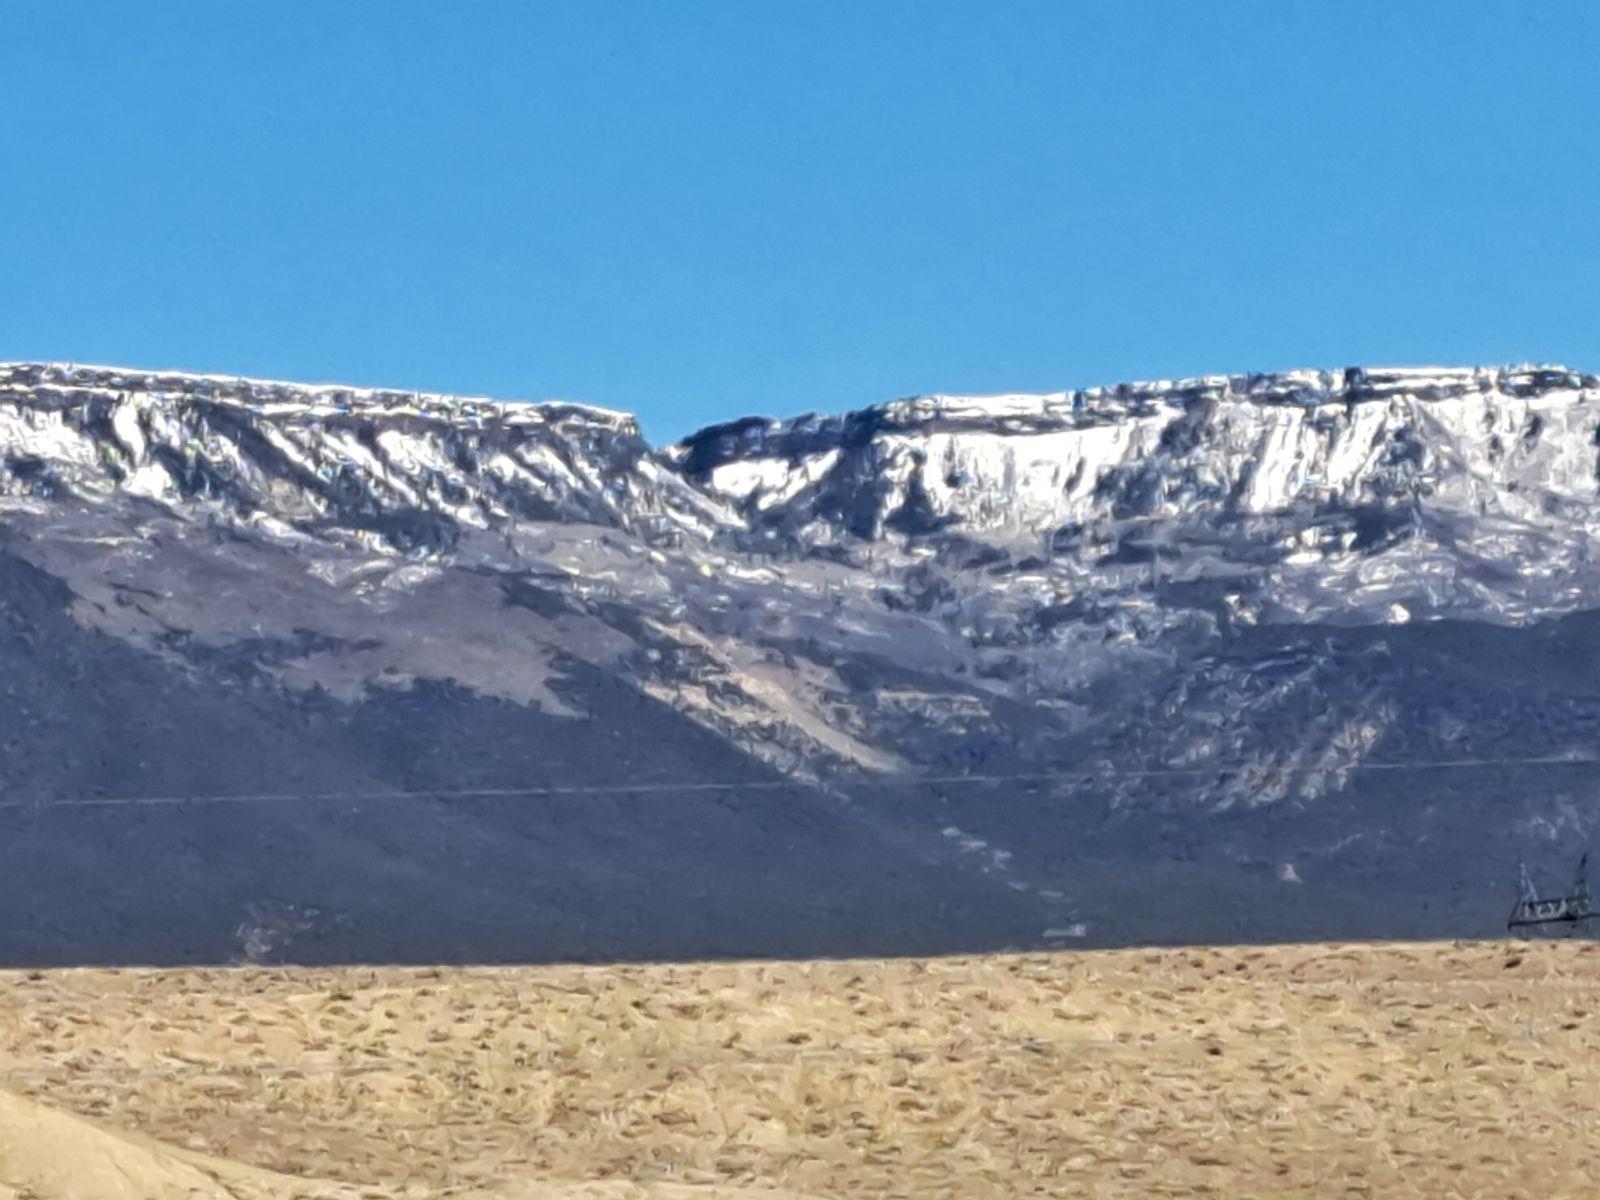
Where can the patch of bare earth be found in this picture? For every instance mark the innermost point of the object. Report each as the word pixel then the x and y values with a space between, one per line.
pixel 1381 1070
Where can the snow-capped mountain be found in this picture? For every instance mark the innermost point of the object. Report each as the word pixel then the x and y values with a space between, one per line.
pixel 1249 656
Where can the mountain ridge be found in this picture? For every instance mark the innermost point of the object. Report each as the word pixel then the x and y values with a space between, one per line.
pixel 1295 385
pixel 869 468
pixel 1027 653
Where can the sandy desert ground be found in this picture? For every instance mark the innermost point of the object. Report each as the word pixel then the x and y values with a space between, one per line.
pixel 1348 1070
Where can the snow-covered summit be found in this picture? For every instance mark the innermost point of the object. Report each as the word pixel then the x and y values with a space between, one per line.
pixel 65 382
pixel 1019 467
pixel 403 469
pixel 408 468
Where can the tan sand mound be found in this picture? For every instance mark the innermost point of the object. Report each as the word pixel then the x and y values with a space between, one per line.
pixel 50 1155
pixel 46 1154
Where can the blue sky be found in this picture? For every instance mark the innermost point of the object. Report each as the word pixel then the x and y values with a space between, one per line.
pixel 699 211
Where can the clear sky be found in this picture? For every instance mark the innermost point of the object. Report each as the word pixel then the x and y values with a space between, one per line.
pixel 700 211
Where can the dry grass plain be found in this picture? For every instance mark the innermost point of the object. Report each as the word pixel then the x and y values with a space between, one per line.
pixel 1361 1070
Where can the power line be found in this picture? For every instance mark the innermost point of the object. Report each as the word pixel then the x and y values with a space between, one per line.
pixel 659 787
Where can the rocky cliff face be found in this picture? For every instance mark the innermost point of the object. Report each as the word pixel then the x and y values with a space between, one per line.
pixel 1356 458
pixel 394 471
pixel 1154 662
